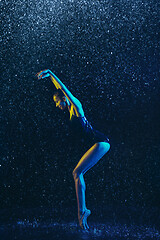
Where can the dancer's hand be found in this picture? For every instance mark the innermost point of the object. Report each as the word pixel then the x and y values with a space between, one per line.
pixel 43 74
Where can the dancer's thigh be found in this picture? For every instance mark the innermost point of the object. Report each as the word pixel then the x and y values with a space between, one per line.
pixel 91 157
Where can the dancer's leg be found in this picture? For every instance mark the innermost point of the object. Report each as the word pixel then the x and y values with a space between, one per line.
pixel 80 191
pixel 88 160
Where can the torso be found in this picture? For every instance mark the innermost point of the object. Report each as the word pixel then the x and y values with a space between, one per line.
pixel 83 128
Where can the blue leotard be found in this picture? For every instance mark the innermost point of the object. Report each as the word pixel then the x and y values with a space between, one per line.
pixel 82 129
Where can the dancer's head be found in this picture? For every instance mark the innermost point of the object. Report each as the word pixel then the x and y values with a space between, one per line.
pixel 60 99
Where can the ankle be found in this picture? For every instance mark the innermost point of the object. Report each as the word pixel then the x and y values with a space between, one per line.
pixel 81 212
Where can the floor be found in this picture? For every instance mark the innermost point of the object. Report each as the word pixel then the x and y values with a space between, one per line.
pixel 27 225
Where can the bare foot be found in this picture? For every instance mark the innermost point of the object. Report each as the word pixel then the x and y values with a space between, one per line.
pixel 83 219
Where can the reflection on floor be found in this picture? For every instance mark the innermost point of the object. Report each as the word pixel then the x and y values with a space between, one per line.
pixel 42 231
pixel 22 225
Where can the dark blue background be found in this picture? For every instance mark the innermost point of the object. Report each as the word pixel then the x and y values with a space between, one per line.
pixel 106 53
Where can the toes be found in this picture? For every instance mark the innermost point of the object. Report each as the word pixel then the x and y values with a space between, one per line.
pixel 84 227
pixel 83 220
pixel 87 226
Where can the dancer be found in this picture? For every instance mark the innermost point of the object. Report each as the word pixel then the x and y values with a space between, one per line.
pixel 64 99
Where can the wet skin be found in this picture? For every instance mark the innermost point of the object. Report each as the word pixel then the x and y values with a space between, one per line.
pixel 90 158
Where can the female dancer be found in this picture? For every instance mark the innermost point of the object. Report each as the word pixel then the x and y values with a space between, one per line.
pixel 63 99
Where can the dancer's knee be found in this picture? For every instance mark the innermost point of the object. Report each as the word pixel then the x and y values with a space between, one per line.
pixel 78 177
pixel 103 146
pixel 107 147
pixel 75 174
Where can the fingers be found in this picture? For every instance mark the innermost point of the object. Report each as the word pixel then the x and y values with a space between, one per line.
pixel 46 75
pixel 39 74
pixel 42 74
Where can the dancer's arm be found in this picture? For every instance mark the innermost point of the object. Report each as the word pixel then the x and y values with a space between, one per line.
pixel 59 85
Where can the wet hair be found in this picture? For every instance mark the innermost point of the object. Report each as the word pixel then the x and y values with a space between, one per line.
pixel 59 94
